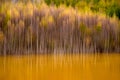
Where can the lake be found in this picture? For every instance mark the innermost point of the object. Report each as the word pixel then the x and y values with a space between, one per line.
pixel 60 67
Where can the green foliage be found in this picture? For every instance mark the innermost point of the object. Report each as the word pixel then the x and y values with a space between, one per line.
pixel 58 2
pixel 96 1
pixel 110 10
pixel 113 9
pixel 88 1
pixel 117 12
pixel 95 8
pixel 48 1
pixel 81 5
pixel 109 7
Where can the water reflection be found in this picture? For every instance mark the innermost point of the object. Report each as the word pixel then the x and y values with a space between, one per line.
pixel 60 67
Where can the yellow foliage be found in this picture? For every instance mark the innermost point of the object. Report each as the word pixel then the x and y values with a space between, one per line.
pixel 28 9
pixel 101 17
pixel 69 13
pixel 9 23
pixel 15 12
pixel 99 24
pixel 21 24
pixel 81 5
pixel 44 9
pixel 9 12
pixel 19 5
pixel 45 21
pixel 50 19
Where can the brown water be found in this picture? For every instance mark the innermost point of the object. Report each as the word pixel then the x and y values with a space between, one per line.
pixel 60 67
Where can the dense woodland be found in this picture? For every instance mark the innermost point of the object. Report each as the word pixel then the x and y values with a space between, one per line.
pixel 59 26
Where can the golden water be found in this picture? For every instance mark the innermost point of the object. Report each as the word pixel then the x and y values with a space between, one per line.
pixel 60 67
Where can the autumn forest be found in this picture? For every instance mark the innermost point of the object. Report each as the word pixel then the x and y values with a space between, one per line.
pixel 59 26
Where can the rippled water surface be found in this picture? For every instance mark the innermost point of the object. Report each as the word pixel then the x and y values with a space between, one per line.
pixel 60 67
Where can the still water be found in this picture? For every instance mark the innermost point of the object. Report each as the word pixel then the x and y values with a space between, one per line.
pixel 60 67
